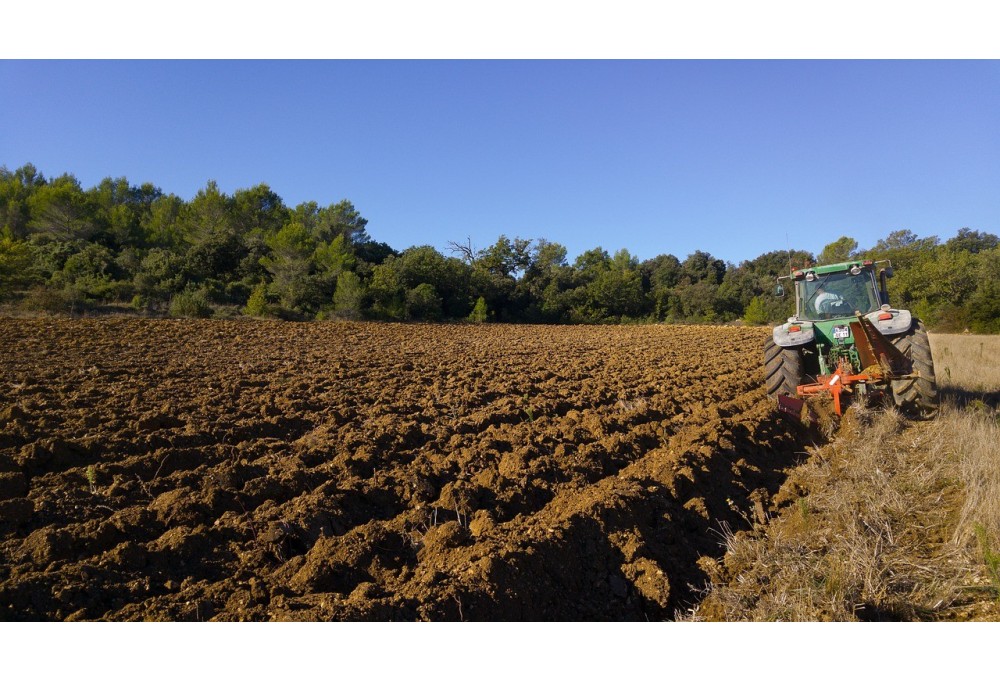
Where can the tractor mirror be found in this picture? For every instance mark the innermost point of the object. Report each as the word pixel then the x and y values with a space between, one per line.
pixel 779 291
pixel 883 284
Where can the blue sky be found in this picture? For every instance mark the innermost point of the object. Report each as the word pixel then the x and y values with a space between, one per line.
pixel 654 156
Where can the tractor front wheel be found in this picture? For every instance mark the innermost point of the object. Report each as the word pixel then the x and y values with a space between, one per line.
pixel 916 397
pixel 782 369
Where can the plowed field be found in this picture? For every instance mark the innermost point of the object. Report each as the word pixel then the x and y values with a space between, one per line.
pixel 277 471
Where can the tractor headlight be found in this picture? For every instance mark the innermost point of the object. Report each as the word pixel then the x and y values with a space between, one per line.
pixel 855 270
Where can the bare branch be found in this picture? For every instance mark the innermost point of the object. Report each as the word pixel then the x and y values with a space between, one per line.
pixel 465 251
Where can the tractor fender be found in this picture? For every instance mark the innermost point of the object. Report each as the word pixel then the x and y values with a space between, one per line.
pixel 785 337
pixel 899 323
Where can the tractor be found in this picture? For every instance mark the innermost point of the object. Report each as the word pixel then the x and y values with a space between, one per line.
pixel 845 340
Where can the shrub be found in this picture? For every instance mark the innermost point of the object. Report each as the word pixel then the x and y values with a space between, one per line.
pixel 42 298
pixel 190 304
pixel 257 303
pixel 140 303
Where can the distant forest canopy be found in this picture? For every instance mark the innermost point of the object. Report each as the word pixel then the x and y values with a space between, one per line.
pixel 64 249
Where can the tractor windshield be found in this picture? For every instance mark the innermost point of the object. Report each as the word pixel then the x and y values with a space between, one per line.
pixel 837 294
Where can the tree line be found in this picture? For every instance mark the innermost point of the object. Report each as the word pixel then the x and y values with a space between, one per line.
pixel 66 249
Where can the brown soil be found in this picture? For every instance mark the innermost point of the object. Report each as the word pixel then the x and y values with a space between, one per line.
pixel 254 470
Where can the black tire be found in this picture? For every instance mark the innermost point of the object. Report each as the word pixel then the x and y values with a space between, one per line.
pixel 782 369
pixel 917 398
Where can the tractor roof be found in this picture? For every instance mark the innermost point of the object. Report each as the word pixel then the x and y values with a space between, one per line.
pixel 832 267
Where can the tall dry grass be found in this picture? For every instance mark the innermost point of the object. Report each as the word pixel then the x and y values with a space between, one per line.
pixel 968 369
pixel 967 365
pixel 893 520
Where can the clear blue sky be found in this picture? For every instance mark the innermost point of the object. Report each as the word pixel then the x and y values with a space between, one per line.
pixel 656 157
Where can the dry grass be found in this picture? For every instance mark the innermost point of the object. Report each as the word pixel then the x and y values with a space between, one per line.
pixel 894 520
pixel 967 364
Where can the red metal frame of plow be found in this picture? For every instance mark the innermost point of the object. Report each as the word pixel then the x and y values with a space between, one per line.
pixel 834 384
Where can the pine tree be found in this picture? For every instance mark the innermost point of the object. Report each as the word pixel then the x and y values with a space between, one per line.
pixel 479 312
pixel 257 303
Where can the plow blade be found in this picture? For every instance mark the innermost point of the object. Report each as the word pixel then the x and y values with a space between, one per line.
pixel 791 406
pixel 799 410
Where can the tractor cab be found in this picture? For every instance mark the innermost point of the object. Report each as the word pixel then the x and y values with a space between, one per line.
pixel 829 292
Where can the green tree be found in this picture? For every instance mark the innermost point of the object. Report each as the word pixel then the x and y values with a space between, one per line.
pixel 423 303
pixel 290 264
pixel 660 276
pixel 983 307
pixel 60 210
pixel 506 258
pixel 898 240
pixel 119 209
pixel 909 254
pixel 544 282
pixel 547 256
pixel 697 301
pixel 371 253
pixel 16 190
pixel 494 276
pixel 348 299
pixel 841 250
pixel 972 241
pixel 614 294
pixel 756 312
pixel 161 225
pixel 258 210
pixel 662 271
pixel 386 290
pixel 701 266
pixel 591 263
pixel 331 260
pixel 449 277
pixel 16 263
pixel 695 296
pixel 326 224
pixel 335 257
pixel 623 261
pixel 216 245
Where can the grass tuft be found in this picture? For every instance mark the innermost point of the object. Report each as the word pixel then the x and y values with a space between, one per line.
pixel 990 558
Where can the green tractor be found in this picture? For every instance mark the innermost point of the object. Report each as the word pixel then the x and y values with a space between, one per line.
pixel 846 340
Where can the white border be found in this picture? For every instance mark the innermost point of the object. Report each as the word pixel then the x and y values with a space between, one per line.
pixel 500 29
pixel 626 652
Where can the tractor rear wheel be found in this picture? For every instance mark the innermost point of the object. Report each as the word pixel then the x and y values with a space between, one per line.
pixel 782 369
pixel 916 397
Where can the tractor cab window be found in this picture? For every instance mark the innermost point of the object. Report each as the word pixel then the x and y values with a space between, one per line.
pixel 838 294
